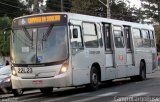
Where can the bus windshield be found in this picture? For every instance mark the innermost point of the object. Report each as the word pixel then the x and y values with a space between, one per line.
pixel 39 45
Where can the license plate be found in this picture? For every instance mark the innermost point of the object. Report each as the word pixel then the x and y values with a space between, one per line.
pixel 24 70
pixel 37 81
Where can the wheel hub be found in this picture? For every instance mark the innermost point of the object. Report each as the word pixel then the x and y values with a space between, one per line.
pixel 94 78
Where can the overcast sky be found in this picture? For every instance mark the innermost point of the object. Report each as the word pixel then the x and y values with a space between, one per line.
pixel 137 3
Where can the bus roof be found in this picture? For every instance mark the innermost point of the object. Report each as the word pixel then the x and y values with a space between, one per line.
pixel 89 18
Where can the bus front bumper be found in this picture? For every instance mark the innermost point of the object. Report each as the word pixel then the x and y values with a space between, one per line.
pixel 61 80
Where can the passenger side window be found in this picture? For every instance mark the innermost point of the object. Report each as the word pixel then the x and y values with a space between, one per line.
pixel 152 39
pixel 137 37
pixel 146 38
pixel 118 37
pixel 90 35
pixel 76 37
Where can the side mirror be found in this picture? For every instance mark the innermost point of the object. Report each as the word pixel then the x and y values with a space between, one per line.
pixel 75 33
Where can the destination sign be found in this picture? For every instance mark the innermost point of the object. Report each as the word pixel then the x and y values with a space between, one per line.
pixel 40 20
pixel 43 19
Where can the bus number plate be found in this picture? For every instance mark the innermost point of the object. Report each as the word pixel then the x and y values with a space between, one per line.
pixel 24 70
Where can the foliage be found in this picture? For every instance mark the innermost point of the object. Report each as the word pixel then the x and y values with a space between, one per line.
pixel 152 9
pixel 5 22
pixel 86 7
pixel 33 6
pixel 12 8
pixel 55 5
pixel 157 32
pixel 119 9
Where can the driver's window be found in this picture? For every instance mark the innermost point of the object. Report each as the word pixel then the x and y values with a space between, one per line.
pixel 76 38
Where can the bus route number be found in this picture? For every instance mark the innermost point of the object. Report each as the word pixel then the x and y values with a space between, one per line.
pixel 24 70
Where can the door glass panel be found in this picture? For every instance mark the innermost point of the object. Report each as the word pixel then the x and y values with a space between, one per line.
pixel 76 42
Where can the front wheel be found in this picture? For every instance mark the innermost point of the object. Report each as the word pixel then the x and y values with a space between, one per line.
pixel 94 79
pixel 46 91
pixel 17 92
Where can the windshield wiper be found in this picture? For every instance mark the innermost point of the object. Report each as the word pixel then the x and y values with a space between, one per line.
pixel 27 34
pixel 45 36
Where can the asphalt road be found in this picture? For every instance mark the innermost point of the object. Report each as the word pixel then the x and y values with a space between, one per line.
pixel 123 90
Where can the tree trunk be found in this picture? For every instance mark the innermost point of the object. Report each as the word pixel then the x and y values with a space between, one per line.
pixel 108 9
pixel 36 6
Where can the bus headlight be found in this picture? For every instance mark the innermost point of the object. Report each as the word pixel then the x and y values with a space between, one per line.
pixel 13 71
pixel 64 67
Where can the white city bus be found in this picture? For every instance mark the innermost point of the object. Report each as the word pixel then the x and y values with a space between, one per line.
pixel 55 50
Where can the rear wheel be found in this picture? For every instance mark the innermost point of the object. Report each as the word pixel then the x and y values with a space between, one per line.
pixel 17 92
pixel 47 91
pixel 142 75
pixel 94 79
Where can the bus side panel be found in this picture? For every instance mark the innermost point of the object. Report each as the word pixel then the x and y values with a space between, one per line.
pixel 81 70
pixel 110 72
pixel 82 63
pixel 143 54
pixel 129 59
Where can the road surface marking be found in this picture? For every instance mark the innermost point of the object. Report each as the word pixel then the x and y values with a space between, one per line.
pixel 66 97
pixel 98 96
pixel 139 94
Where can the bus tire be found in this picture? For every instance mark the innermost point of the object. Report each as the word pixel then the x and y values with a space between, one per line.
pixel 94 79
pixel 17 92
pixel 142 75
pixel 47 91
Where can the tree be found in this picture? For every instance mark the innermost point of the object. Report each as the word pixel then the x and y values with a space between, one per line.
pixel 157 32
pixel 89 7
pixel 119 9
pixel 5 22
pixel 55 5
pixel 152 9
pixel 12 8
pixel 34 6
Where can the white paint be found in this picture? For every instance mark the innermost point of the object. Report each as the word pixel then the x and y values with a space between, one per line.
pixel 96 97
pixel 139 94
pixel 66 97
pixel 108 94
